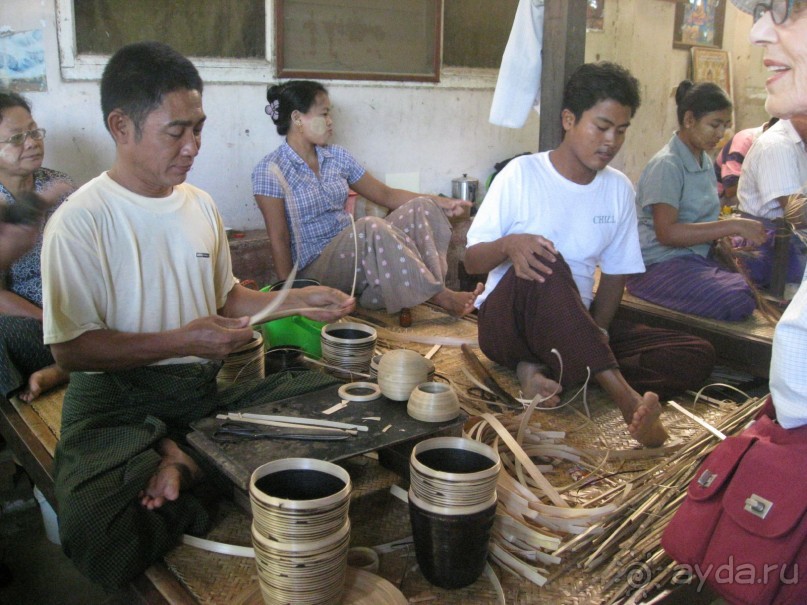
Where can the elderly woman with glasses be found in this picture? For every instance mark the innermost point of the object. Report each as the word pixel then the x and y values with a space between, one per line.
pixel 780 27
pixel 27 368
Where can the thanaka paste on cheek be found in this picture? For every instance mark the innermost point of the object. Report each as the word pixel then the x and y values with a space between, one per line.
pixel 7 153
pixel 318 126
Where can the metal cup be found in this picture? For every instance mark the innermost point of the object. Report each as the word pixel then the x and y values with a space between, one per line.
pixel 464 188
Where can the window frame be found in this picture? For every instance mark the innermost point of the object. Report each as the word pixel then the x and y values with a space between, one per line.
pixel 78 67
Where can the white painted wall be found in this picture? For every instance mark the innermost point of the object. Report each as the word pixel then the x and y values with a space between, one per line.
pixel 438 132
pixel 638 34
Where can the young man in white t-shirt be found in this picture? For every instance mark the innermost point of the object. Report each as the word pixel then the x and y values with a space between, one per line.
pixel 546 224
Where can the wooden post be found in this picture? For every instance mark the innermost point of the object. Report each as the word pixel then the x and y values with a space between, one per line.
pixel 781 256
pixel 564 48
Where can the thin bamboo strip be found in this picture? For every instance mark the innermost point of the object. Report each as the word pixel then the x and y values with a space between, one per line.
pixel 537 476
pixel 505 559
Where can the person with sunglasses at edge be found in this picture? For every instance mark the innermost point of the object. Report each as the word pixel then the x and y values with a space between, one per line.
pixel 780 27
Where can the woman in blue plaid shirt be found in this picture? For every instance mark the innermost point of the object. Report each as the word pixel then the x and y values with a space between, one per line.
pixel 301 189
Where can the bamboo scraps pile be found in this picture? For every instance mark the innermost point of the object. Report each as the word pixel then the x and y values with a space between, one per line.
pixel 527 531
pixel 615 535
pixel 626 546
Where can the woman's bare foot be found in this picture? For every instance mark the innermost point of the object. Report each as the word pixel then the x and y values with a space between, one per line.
pixel 458 303
pixel 43 380
pixel 534 382
pixel 177 471
pixel 645 424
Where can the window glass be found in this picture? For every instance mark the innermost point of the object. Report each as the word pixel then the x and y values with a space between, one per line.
pixel 359 39
pixel 475 32
pixel 213 28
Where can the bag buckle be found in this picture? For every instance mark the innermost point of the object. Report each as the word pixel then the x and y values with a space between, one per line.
pixel 757 505
pixel 707 478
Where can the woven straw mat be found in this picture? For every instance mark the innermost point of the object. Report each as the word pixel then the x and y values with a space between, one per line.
pixel 379 518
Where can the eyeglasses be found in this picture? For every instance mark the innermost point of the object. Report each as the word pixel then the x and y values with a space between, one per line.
pixel 18 139
pixel 780 10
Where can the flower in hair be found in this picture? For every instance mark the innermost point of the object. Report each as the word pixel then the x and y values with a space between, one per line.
pixel 273 110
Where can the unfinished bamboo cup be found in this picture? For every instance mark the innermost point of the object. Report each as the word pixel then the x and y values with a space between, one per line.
pixel 302 572
pixel 348 345
pixel 244 363
pixel 300 530
pixel 454 472
pixel 400 371
pixel 299 499
pixel 452 505
pixel 433 402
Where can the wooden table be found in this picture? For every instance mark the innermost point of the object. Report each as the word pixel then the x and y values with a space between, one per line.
pixel 238 460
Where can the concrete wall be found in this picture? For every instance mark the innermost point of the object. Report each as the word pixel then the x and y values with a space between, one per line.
pixel 638 34
pixel 436 132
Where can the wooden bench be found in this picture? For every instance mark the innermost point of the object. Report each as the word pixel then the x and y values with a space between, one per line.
pixel 32 437
pixel 745 345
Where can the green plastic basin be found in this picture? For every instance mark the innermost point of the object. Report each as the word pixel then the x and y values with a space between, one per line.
pixel 294 330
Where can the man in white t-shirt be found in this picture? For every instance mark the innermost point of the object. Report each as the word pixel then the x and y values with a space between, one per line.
pixel 774 170
pixel 141 305
pixel 547 222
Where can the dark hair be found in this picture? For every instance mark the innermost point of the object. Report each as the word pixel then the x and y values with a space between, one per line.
pixel 10 99
pixel 700 99
pixel 594 82
pixel 139 75
pixel 295 95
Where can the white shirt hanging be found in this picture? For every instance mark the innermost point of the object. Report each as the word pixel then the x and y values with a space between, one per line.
pixel 518 87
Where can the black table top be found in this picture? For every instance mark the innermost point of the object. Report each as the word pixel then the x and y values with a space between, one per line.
pixel 238 460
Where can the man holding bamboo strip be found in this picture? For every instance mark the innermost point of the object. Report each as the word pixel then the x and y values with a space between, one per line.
pixel 141 305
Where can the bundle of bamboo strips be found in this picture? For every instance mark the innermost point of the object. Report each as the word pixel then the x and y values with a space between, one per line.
pixel 527 531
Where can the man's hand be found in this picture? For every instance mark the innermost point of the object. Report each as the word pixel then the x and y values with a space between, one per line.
pixel 332 303
pixel 530 255
pixel 215 337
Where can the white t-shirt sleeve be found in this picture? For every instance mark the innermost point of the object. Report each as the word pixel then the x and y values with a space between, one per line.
pixel 494 220
pixel 69 258
pixel 788 380
pixel 623 256
pixel 487 224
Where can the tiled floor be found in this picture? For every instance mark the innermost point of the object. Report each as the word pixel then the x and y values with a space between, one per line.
pixel 40 572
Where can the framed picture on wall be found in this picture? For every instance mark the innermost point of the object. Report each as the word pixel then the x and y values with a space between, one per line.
pixel 699 23
pixel 594 15
pixel 711 65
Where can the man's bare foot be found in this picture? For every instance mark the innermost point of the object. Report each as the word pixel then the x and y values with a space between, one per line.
pixel 534 382
pixel 458 303
pixel 645 424
pixel 43 380
pixel 177 471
